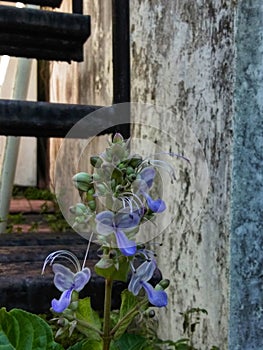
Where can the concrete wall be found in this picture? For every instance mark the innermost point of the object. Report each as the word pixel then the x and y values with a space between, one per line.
pixel 183 59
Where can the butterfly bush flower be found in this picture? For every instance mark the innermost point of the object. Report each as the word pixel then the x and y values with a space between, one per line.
pixel 65 280
pixel 119 223
pixel 139 280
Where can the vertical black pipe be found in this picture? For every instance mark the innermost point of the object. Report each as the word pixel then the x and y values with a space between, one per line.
pixel 77 6
pixel 121 56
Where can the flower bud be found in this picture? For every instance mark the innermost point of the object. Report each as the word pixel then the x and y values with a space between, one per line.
pixel 92 205
pixel 96 161
pixel 151 313
pixel 78 209
pixel 117 138
pixel 62 322
pixel 162 285
pixel 82 181
pixel 74 305
pixel 101 189
pixel 90 194
pixel 96 177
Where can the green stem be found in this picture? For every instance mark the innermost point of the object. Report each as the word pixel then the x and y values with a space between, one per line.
pixel 107 308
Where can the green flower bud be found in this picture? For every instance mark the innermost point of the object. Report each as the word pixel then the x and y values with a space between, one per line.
pixel 96 161
pixel 92 205
pixel 74 305
pixel 96 177
pixel 78 209
pixel 162 285
pixel 90 194
pixel 80 219
pixel 82 181
pixel 117 138
pixel 129 170
pixel 101 188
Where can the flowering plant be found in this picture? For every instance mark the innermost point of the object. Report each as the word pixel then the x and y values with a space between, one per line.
pixel 122 183
pixel 116 200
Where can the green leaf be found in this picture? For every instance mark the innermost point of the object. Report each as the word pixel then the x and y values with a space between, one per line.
pixel 9 329
pixel 105 267
pixel 121 273
pixel 21 330
pixel 115 270
pixel 87 344
pixel 128 311
pixel 87 314
pixel 130 342
pixel 128 301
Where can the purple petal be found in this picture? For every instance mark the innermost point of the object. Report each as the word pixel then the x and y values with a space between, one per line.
pixel 135 284
pixel 105 222
pixel 63 277
pixel 156 297
pixel 127 220
pixel 81 279
pixel 145 270
pixel 156 206
pixel 147 175
pixel 63 302
pixel 143 273
pixel 126 246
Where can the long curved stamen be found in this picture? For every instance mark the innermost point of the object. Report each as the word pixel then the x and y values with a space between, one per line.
pixel 137 197
pixel 87 251
pixel 172 154
pixel 132 267
pixel 163 165
pixel 62 254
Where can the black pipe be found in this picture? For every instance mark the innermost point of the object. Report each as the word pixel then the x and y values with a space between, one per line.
pixel 121 57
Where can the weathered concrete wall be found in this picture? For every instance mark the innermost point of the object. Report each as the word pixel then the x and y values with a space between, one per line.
pixel 183 59
pixel 246 293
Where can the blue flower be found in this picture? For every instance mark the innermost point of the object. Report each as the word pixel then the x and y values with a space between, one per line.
pixel 66 282
pixel 146 177
pixel 108 223
pixel 140 278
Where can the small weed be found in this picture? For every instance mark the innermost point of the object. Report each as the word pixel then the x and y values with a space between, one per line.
pixel 54 219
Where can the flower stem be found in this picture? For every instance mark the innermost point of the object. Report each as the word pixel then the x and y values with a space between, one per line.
pixel 107 308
